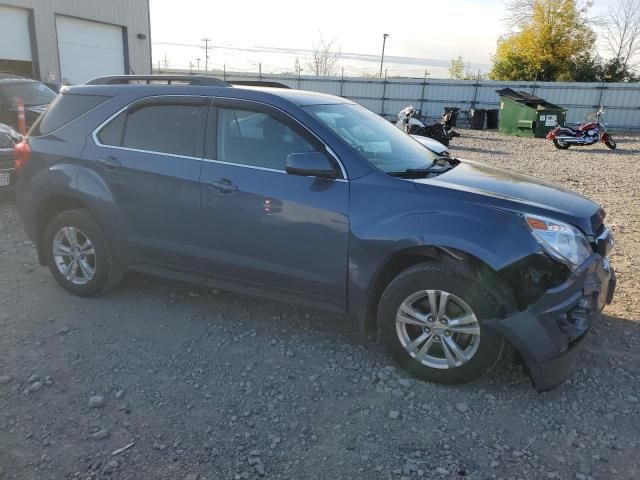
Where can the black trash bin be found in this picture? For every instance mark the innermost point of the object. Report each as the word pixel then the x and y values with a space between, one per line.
pixel 454 115
pixel 492 119
pixel 478 116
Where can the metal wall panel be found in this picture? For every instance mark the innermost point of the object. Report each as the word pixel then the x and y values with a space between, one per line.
pixel 133 15
pixel 620 100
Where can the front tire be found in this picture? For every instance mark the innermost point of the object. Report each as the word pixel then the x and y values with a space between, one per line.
pixel 79 255
pixel 611 143
pixel 431 319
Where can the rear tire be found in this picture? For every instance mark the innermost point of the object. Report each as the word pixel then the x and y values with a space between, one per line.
pixel 473 348
pixel 611 143
pixel 79 254
pixel 560 146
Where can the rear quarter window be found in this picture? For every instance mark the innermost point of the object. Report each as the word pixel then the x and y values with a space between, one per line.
pixel 64 109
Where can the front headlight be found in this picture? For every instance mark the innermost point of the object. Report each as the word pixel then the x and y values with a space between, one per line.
pixel 562 241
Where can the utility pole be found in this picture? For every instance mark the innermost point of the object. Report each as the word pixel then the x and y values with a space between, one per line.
pixel 198 60
pixel 206 52
pixel 384 42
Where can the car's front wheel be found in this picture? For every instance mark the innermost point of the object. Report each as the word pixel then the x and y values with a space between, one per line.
pixel 431 318
pixel 79 255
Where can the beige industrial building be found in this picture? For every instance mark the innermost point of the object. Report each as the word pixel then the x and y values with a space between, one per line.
pixel 72 41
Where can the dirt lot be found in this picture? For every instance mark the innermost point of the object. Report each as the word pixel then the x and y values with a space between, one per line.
pixel 212 385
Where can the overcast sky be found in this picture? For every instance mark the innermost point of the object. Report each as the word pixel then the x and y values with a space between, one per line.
pixel 429 29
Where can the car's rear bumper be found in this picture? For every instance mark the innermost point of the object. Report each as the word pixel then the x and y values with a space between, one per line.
pixel 548 334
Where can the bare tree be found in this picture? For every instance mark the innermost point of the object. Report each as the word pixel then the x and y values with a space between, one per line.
pixel 519 12
pixel 324 58
pixel 622 33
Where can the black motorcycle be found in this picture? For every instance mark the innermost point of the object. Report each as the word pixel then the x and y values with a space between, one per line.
pixel 442 131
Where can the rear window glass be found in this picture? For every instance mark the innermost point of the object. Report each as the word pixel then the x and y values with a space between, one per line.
pixel 31 93
pixel 66 107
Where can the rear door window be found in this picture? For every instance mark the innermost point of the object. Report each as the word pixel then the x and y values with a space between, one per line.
pixel 172 126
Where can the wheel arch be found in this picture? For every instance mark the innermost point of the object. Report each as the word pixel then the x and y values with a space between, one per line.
pixel 51 206
pixel 409 257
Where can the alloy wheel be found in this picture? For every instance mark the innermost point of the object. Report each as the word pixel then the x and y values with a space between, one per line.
pixel 74 255
pixel 438 329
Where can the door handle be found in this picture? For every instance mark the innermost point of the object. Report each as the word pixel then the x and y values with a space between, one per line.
pixel 110 162
pixel 224 186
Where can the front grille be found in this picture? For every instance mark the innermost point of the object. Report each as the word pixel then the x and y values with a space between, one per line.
pixel 575 323
pixel 597 222
pixel 604 243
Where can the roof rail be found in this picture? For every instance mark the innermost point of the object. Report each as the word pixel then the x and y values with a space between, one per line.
pixel 200 80
pixel 258 83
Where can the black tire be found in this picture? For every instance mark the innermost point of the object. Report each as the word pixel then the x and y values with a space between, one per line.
pixel 457 279
pixel 560 146
pixel 108 272
pixel 611 143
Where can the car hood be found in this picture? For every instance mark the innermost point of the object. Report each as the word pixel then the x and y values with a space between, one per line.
pixel 431 144
pixel 517 192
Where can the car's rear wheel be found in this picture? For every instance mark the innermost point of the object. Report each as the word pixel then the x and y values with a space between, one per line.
pixel 79 255
pixel 559 144
pixel 431 319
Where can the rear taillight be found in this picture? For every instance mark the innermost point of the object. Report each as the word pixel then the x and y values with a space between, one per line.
pixel 22 152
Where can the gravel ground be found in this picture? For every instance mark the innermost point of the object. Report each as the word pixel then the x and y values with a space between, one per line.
pixel 199 384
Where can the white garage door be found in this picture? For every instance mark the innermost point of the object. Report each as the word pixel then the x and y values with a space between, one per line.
pixel 88 49
pixel 15 42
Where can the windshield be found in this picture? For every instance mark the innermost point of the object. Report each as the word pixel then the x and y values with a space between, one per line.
pixel 31 93
pixel 382 144
pixel 592 116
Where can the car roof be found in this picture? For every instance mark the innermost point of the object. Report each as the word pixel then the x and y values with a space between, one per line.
pixel 298 97
pixel 266 94
pixel 11 78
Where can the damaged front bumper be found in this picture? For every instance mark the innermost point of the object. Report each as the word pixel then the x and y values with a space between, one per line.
pixel 548 333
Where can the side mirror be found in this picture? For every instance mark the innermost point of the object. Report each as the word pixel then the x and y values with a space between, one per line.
pixel 310 164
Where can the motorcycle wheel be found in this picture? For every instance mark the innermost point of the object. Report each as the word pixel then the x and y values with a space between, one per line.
pixel 611 143
pixel 443 139
pixel 560 145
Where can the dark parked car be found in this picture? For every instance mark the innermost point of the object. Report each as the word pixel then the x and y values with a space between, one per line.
pixel 9 138
pixel 35 95
pixel 313 199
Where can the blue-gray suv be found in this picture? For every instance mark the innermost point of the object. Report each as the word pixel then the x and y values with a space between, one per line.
pixel 313 199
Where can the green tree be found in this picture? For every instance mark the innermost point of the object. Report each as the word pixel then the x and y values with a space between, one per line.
pixel 457 68
pixel 549 45
pixel 460 70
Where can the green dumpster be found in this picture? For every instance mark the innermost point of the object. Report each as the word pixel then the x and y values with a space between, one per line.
pixel 526 115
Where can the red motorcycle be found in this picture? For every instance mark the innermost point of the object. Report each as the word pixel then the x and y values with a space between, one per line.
pixel 583 135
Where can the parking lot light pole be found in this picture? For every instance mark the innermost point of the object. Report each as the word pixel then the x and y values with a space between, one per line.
pixel 384 41
pixel 206 53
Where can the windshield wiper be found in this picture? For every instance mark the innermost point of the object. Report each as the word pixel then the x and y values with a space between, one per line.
pixel 412 172
pixel 439 165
